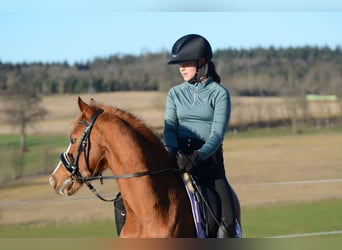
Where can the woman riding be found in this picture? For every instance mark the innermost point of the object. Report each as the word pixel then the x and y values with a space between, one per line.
pixel 196 119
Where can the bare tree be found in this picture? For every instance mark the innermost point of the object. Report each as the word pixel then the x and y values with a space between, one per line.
pixel 22 107
pixel 294 100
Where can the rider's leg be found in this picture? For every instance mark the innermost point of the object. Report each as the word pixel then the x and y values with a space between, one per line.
pixel 227 228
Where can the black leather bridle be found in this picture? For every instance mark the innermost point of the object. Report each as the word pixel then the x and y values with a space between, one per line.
pixel 82 147
pixel 72 165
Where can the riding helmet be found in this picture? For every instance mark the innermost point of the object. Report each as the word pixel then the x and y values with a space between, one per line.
pixel 190 47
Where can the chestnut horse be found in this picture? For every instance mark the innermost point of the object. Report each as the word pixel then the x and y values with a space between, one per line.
pixel 155 198
pixel 153 192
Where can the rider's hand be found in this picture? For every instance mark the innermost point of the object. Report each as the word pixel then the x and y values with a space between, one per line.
pixel 188 162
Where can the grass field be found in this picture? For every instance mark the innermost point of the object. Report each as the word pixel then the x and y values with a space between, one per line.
pixel 257 166
pixel 257 222
pixel 287 184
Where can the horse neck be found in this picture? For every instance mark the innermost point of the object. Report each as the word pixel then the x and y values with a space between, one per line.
pixel 128 154
pixel 139 160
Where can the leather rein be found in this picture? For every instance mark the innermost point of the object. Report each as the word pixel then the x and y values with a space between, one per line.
pixel 73 168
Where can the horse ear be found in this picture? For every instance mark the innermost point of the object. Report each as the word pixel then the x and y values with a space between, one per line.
pixel 82 105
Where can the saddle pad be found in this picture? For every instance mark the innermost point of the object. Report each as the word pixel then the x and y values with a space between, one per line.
pixel 195 209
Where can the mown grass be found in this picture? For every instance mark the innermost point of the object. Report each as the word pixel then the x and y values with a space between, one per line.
pixel 77 230
pixel 257 222
pixel 293 219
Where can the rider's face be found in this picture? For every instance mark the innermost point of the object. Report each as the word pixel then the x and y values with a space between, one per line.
pixel 187 70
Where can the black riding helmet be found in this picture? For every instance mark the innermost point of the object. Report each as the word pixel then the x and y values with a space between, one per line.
pixel 190 47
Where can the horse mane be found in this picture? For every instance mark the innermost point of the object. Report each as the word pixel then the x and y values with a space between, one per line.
pixel 131 120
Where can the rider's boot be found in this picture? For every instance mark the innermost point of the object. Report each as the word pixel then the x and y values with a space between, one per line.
pixel 227 231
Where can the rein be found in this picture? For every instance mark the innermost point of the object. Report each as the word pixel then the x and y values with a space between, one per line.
pixel 125 176
pixel 73 167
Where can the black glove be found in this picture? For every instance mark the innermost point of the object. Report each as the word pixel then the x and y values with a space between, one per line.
pixel 188 162
pixel 172 151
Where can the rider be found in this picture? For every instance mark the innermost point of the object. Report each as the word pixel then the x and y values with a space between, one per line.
pixel 196 119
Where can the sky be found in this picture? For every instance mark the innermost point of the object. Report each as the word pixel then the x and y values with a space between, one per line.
pixel 82 30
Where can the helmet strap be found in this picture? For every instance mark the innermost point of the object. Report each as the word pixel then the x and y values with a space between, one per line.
pixel 204 75
pixel 196 76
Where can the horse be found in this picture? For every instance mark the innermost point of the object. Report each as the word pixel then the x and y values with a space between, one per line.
pixel 103 137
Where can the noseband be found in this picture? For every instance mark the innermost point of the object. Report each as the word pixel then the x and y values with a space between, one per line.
pixel 73 167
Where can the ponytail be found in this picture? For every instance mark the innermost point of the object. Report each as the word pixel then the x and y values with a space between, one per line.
pixel 212 72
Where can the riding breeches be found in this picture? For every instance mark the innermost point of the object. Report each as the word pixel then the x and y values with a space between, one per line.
pixel 211 173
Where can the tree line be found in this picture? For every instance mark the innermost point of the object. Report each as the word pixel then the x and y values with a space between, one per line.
pixel 246 72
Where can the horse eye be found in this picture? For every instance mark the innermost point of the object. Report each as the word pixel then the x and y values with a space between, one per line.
pixel 73 141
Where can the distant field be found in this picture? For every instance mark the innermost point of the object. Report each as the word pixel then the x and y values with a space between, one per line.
pixel 149 105
pixel 63 109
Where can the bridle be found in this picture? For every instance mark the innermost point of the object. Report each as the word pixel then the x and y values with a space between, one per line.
pixel 73 168
pixel 82 147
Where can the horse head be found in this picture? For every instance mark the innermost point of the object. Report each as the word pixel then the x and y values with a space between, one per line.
pixel 76 162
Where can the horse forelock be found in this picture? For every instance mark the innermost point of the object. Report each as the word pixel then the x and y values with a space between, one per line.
pixel 74 124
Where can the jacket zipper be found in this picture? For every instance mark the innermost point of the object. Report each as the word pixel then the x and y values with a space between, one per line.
pixel 195 93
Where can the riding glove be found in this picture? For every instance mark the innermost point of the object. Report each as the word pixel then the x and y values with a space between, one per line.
pixel 188 162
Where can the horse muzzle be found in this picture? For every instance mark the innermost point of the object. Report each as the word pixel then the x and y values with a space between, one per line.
pixel 63 188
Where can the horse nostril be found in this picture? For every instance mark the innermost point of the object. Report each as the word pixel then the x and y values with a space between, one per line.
pixel 52 182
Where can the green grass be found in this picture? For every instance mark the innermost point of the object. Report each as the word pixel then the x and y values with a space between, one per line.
pixel 33 141
pixel 293 219
pixel 257 222
pixel 41 156
pixel 86 230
